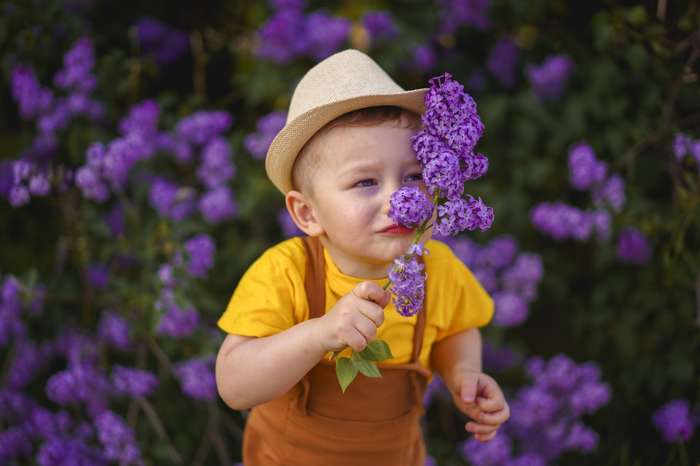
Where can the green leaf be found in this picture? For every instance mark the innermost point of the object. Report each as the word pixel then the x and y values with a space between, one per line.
pixel 377 350
pixel 346 372
pixel 368 368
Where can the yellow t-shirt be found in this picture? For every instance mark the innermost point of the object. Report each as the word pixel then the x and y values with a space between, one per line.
pixel 270 298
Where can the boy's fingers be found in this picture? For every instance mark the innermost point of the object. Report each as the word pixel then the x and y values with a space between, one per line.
pixel 355 340
pixel 491 404
pixel 494 419
pixel 372 292
pixel 475 428
pixel 372 312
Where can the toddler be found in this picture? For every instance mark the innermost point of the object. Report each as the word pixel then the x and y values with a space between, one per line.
pixel 344 150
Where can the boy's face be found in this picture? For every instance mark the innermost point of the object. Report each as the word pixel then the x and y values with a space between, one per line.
pixel 359 169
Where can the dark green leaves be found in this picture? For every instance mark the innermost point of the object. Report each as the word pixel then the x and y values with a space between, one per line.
pixel 364 362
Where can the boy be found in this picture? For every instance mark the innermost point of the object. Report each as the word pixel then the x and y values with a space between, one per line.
pixel 344 150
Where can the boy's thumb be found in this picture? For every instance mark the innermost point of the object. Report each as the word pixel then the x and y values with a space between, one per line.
pixel 372 292
pixel 468 391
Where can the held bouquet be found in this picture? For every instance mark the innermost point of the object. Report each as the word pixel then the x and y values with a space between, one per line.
pixel 445 150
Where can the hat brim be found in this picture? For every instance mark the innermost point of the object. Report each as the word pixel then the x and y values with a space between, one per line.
pixel 288 142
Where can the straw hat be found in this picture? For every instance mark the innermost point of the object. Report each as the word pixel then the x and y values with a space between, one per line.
pixel 346 81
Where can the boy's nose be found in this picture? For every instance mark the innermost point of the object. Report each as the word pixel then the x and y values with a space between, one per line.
pixel 389 189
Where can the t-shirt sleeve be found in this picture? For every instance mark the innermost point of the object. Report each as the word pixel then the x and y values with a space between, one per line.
pixel 263 302
pixel 469 305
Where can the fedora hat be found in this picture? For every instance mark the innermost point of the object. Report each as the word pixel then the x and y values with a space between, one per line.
pixel 346 81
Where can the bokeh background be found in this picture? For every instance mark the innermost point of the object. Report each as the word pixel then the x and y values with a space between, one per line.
pixel 132 139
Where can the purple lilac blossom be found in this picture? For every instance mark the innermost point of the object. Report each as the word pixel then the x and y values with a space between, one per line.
pixel 464 12
pixel 161 41
pixel 79 383
pixel 549 79
pixel 76 74
pixel 33 99
pixel 561 221
pixel 283 37
pixel 216 167
pixel 133 382
pixel 142 119
pixel 196 378
pixel 15 443
pixel 633 246
pixel 267 128
pixel 502 60
pixel 527 459
pixel 62 451
pixel 498 253
pixel 681 145
pixel 171 201
pixel 423 57
pixel 495 452
pixel 178 323
pixel 200 250
pixel 611 193
pixel 326 33
pixel 510 309
pixel 114 220
pixel 175 145
pixel 201 127
pixel 117 438
pixel 217 205
pixel 499 359
pixel 289 228
pixel 380 25
pixel 602 223
pixel 29 359
pixel 674 422
pixel 459 214
pixel 585 170
pixel 408 281
pixel 98 275
pixel 114 331
pixel 410 207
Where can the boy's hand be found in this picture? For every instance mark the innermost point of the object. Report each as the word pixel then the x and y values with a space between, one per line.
pixel 354 319
pixel 478 396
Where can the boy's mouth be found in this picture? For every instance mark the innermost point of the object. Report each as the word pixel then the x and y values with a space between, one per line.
pixel 397 230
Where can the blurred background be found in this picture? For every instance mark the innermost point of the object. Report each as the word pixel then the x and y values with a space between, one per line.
pixel 132 144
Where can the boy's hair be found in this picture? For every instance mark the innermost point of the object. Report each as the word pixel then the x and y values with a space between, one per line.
pixel 308 159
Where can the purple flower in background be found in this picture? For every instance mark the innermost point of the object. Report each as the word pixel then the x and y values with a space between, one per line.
pixel 76 73
pixel 435 386
pixel 410 207
pixel 267 128
pixel 379 25
pixel 98 275
pixel 633 246
pixel 510 309
pixel 200 127
pixel 161 41
pixel 29 359
pixel 502 60
pixel 499 359
pixel 64 451
pixel 115 220
pixel 408 282
pixel 458 12
pixel 681 145
pixel 498 253
pixel 283 37
pixel 117 438
pixel 217 205
pixel 200 250
pixel 289 228
pixel 585 170
pixel 611 193
pixel 171 201
pixel 476 80
pixel 216 167
pixel 561 221
pixel 495 452
pixel 423 57
pixel 196 378
pixel 549 79
pixel 142 119
pixel 15 443
pixel 79 383
pixel 133 382
pixel 527 459
pixel 326 33
pixel 175 145
pixel 674 421
pixel 32 98
pixel 178 323
pixel 114 330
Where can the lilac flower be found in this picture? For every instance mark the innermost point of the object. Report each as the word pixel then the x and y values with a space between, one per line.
pixel 61 451
pixel 115 220
pixel 98 275
pixel 216 167
pixel 326 33
pixel 284 36
pixel 29 359
pixel 200 127
pixel 602 223
pixel 498 253
pixel 410 207
pixel 502 60
pixel 142 119
pixel 549 79
pixel 423 57
pixel 495 452
pixel 79 383
pixel 380 25
pixel 510 309
pixel 76 347
pixel 633 246
pixel 289 228
pixel 611 193
pixel 267 128
pixel 175 145
pixel 527 459
pixel 408 282
pixel 171 201
pixel 581 438
pixel 161 41
pixel 76 73
pixel 117 438
pixel 585 170
pixel 442 172
pixel 681 145
pixel 561 221
pixel 32 98
pixel 458 12
pixel 463 214
pixel 196 378
pixel 524 275
pixel 499 359
pixel 217 205
pixel 178 323
pixel 114 331
pixel 200 250
pixel 674 421
pixel 133 382
pixel 15 443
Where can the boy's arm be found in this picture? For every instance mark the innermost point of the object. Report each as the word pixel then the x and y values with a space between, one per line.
pixel 456 354
pixel 250 370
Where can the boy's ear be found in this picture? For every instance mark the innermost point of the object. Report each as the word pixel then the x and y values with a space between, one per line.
pixel 303 213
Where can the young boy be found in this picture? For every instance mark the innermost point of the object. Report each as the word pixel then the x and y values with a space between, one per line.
pixel 344 150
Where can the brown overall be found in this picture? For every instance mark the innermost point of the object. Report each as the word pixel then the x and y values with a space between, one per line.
pixel 376 421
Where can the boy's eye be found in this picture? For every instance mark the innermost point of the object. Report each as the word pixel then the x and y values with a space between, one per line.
pixel 416 177
pixel 365 183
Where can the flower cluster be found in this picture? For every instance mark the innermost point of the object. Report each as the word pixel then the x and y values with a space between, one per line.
pixel 674 421
pixel 546 415
pixel 408 281
pixel 290 34
pixel 379 25
pixel 162 42
pixel 502 60
pixel 32 174
pixel 549 79
pixel 684 145
pixel 196 377
pixel 267 128
pixel 456 13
